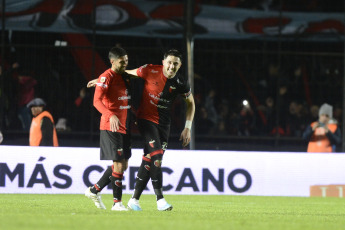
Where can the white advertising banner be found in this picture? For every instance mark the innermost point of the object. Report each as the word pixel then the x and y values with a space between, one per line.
pixel 71 170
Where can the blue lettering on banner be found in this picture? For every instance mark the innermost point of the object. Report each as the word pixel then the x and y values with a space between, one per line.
pixel 58 174
pixel 186 179
pixel 132 174
pixel 34 179
pixel 207 175
pixel 5 171
pixel 38 176
pixel 231 180
pixel 187 173
pixel 132 177
pixel 87 172
pixel 168 171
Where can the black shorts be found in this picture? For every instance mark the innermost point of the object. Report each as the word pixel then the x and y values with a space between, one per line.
pixel 115 146
pixel 155 136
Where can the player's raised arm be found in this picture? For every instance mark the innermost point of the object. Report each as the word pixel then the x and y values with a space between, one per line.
pixel 92 83
pixel 132 72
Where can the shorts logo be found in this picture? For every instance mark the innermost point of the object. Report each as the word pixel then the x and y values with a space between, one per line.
pixel 118 183
pixel 164 146
pixel 102 79
pixel 151 143
pixel 119 152
pixel 147 167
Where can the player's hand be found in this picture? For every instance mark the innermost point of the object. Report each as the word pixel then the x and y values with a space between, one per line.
pixel 92 83
pixel 185 137
pixel 114 123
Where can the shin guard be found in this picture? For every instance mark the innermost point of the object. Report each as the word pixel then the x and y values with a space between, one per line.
pixel 116 182
pixel 142 178
pixel 157 175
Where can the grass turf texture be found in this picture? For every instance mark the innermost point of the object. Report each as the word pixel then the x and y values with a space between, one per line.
pixel 35 211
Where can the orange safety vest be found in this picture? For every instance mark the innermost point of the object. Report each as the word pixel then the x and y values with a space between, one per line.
pixel 36 132
pixel 319 143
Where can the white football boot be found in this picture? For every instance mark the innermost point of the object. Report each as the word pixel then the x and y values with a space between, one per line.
pixel 96 198
pixel 133 204
pixel 119 207
pixel 162 205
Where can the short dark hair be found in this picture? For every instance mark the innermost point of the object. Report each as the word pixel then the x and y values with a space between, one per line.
pixel 173 52
pixel 117 52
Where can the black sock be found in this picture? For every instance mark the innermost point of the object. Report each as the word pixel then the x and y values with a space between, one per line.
pixel 143 177
pixel 157 175
pixel 116 181
pixel 103 181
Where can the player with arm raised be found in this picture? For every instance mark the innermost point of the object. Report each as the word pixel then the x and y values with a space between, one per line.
pixel 112 100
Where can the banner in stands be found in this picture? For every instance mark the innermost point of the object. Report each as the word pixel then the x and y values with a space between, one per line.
pixel 165 19
pixel 51 170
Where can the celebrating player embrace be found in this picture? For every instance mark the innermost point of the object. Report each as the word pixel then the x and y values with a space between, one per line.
pixel 162 86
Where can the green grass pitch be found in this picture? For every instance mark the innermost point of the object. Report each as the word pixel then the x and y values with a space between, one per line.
pixel 61 212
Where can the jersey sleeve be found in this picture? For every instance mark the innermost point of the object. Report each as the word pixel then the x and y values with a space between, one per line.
pixel 142 71
pixel 185 89
pixel 102 87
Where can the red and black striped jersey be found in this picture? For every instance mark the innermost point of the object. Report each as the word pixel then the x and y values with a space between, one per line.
pixel 112 97
pixel 159 93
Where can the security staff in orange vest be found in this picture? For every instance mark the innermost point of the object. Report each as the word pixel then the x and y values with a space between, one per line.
pixel 42 130
pixel 323 135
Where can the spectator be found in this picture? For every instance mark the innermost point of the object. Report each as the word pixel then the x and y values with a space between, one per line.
pixel 26 88
pixel 203 124
pixel 8 91
pixel 222 122
pixel 210 107
pixel 82 106
pixel 323 135
pixel 295 119
pixel 42 130
pixel 337 114
pixel 233 123
pixel 269 114
pixel 313 113
pixel 246 120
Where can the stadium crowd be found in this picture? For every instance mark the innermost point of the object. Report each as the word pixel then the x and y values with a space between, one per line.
pixel 253 101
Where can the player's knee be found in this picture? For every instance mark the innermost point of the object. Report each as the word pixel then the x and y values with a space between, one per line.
pixel 120 166
pixel 157 160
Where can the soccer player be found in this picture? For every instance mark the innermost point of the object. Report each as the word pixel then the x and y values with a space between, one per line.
pixel 162 85
pixel 112 100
